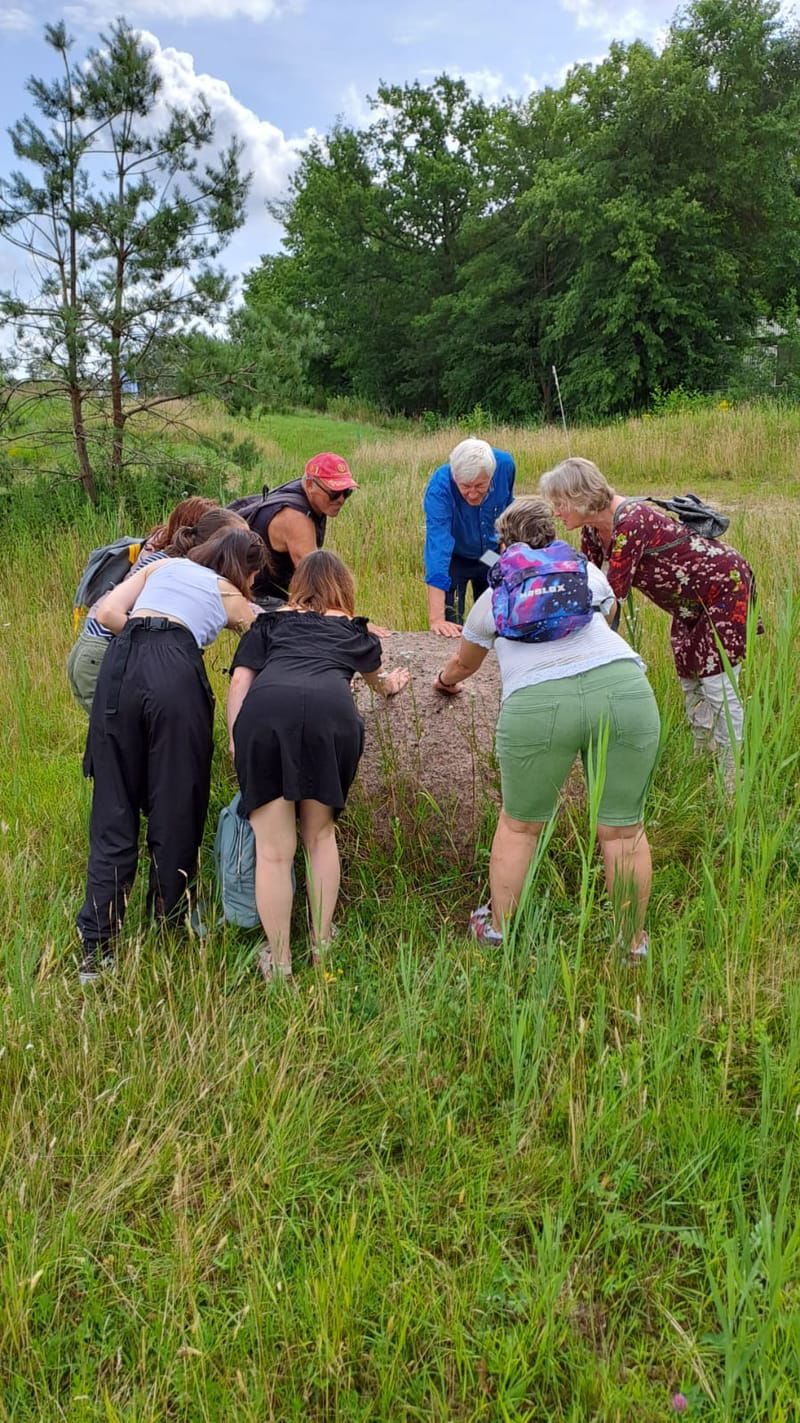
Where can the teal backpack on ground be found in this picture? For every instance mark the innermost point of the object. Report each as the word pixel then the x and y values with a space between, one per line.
pixel 235 860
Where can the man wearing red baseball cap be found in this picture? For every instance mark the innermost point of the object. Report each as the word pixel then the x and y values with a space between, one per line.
pixel 292 518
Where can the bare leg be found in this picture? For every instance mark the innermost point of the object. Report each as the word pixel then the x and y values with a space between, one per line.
pixel 629 876
pixel 276 840
pixel 513 848
pixel 318 833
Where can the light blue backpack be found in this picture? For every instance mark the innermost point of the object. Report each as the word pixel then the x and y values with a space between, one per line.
pixel 235 860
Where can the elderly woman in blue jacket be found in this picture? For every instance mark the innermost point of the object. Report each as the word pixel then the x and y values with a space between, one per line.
pixel 462 501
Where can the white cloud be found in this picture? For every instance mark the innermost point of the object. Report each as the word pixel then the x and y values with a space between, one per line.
pixel 267 151
pixel 355 109
pixel 94 12
pixel 554 78
pixel 618 19
pixel 489 84
pixel 15 20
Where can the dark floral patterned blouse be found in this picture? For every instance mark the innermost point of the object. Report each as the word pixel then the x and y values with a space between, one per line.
pixel 706 585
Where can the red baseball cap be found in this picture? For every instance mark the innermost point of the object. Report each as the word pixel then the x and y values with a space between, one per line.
pixel 330 470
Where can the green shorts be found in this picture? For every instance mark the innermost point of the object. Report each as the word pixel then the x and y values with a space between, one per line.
pixel 83 667
pixel 543 728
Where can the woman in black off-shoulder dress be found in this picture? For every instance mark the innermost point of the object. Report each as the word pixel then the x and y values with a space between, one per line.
pixel 297 740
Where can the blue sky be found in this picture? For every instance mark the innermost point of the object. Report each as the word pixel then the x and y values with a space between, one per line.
pixel 276 70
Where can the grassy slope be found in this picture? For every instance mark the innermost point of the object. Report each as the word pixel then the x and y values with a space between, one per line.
pixel 440 1183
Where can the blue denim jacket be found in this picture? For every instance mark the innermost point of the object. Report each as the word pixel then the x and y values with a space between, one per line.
pixel 452 526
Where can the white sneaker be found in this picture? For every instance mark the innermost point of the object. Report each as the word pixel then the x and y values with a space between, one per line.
pixel 482 929
pixel 94 967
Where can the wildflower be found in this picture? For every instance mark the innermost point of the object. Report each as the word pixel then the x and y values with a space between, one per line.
pixel 723 405
pixel 680 1402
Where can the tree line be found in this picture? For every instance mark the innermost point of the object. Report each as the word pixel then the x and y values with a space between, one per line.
pixel 632 228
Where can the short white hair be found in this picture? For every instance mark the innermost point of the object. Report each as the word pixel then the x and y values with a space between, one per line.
pixel 471 459
pixel 579 484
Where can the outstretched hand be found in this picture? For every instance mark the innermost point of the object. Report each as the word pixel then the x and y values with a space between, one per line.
pixel 395 681
pixel 444 629
pixel 444 689
pixel 378 631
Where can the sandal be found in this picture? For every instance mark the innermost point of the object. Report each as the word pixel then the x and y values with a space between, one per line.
pixel 638 954
pixel 269 969
pixel 320 953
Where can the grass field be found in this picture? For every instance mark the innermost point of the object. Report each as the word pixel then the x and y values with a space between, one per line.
pixel 438 1183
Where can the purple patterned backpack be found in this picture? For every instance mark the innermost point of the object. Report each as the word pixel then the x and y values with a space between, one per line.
pixel 540 594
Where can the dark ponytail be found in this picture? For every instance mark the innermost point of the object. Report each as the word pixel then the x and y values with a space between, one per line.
pixel 187 512
pixel 184 540
pixel 210 523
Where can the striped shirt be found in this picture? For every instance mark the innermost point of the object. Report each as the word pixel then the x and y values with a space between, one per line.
pixel 93 628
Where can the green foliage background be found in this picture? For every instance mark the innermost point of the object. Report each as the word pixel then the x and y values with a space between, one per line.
pixel 633 227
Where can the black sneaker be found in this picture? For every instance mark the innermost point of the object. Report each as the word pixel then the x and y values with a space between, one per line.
pixel 95 963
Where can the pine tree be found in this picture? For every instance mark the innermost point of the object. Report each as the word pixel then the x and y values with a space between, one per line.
pixel 122 216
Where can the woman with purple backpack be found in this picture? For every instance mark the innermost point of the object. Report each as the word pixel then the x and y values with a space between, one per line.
pixel 569 686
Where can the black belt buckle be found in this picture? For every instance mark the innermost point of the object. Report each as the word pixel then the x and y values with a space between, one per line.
pixel 156 624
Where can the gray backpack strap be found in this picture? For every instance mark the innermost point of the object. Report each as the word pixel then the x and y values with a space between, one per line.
pixel 644 499
pixel 633 499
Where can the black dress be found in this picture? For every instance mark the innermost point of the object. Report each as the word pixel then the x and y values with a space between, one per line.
pixel 298 734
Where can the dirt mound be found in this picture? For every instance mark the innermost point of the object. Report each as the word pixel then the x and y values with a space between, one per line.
pixel 428 759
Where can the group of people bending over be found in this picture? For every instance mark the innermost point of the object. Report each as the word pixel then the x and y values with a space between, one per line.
pixel 570 685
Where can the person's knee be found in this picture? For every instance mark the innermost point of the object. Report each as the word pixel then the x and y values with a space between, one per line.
pixel 274 856
pixel 272 848
pixel 316 826
pixel 606 834
pixel 529 829
pixel 315 832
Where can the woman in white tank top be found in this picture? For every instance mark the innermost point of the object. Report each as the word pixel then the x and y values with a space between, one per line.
pixel 150 732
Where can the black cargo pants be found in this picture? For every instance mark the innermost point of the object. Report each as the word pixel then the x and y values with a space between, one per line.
pixel 464 571
pixel 149 752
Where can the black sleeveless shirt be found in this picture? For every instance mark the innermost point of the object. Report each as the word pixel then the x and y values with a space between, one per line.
pixel 285 496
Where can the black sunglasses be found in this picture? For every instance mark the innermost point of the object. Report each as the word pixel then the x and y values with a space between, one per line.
pixel 333 494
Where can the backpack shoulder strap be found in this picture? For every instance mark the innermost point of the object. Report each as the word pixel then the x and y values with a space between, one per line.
pixel 650 499
pixel 632 499
pixel 288 499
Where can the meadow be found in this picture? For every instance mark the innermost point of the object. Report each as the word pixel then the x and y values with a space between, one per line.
pixel 438 1183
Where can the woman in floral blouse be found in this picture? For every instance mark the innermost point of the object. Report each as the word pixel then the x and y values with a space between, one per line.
pixel 705 585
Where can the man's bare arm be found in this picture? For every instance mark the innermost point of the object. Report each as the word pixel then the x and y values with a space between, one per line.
pixel 293 533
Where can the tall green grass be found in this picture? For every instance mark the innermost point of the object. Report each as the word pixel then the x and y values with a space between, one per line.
pixel 439 1182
